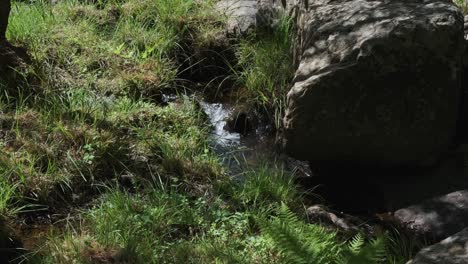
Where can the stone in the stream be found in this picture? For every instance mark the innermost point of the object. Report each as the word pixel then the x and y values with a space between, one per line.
pixel 241 120
pixel 239 123
pixel 378 82
pixel 437 218
pixel 452 250
pixel 318 214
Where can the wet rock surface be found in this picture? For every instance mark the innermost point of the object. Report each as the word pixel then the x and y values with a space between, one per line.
pixel 452 250
pixel 242 120
pixel 373 78
pixel 437 218
pixel 318 214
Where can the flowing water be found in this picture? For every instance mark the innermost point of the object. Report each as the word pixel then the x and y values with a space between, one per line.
pixel 353 189
pixel 238 152
pixel 218 114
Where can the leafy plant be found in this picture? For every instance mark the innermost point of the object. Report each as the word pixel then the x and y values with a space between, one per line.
pixel 463 4
pixel 302 243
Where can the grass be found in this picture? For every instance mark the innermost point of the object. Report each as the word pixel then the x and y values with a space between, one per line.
pixel 85 136
pixel 265 69
pixel 463 5
pixel 138 43
pixel 268 185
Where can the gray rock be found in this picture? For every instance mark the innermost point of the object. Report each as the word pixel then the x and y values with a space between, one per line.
pixel 377 81
pixel 437 218
pixel 465 27
pixel 452 250
pixel 241 15
pixel 317 214
pixel 4 15
pixel 244 16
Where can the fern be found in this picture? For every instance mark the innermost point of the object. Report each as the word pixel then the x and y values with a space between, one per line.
pixel 359 252
pixel 356 243
pixel 301 243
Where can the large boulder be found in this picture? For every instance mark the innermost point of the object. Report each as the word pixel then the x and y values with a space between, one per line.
pixel 4 15
pixel 453 250
pixel 377 81
pixel 436 218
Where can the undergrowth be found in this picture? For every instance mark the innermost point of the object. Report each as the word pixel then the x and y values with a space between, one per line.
pixel 121 48
pixel 265 69
pixel 86 137
pixel 463 5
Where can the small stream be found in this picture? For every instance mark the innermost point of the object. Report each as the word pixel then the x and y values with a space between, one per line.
pixel 360 190
pixel 218 114
pixel 237 151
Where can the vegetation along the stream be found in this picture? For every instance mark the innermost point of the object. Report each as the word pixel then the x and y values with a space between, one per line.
pixel 106 154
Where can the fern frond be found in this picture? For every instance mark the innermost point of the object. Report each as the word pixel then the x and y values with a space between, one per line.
pixel 373 252
pixel 303 243
pixel 286 238
pixel 356 243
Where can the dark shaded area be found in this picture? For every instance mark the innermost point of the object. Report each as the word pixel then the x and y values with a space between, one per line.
pixel 10 248
pixel 240 123
pixel 5 7
pixel 12 82
pixel 462 122
pixel 369 190
pixel 207 66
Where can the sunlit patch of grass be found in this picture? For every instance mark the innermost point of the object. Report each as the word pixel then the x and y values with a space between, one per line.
pixel 166 226
pixel 29 24
pixel 267 185
pixel 73 142
pixel 123 48
pixel 7 196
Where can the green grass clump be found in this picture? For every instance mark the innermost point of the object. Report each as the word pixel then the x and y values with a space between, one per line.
pixel 123 47
pixel 72 143
pixel 7 193
pixel 266 68
pixel 463 5
pixel 267 185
